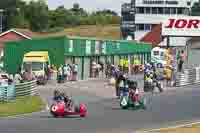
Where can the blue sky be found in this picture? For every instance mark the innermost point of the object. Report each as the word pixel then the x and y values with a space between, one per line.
pixel 89 5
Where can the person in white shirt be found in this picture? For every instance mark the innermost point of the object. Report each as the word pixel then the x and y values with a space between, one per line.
pixel 17 78
pixel 65 73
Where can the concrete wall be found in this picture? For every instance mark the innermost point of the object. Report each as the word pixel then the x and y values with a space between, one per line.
pixel 194 51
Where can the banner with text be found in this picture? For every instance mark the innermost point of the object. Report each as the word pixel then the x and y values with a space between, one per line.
pixel 181 26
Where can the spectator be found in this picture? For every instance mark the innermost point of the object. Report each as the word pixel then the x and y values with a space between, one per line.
pixel 107 70
pixel 168 72
pixel 182 60
pixel 98 70
pixel 49 72
pixel 65 72
pixel 17 78
pixel 75 72
pixel 60 74
pixel 10 79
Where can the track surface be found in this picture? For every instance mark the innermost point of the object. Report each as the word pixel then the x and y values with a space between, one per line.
pixel 105 115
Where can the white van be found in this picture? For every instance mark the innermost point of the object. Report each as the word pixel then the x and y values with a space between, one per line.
pixel 158 56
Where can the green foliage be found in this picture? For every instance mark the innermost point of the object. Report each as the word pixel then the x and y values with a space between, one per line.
pixel 37 17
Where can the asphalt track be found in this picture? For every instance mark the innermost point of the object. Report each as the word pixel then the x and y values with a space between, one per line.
pixel 105 116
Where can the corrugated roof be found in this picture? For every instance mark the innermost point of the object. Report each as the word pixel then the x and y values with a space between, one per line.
pixel 93 38
pixel 19 33
pixel 154 37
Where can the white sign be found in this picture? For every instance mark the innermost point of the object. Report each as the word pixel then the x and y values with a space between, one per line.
pixel 71 46
pixel 88 47
pixel 181 26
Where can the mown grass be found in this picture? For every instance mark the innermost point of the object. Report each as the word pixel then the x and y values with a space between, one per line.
pixel 21 106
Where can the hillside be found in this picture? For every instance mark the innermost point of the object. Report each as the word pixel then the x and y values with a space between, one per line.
pixel 104 32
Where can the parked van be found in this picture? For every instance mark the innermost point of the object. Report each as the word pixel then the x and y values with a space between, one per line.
pixel 158 56
pixel 36 62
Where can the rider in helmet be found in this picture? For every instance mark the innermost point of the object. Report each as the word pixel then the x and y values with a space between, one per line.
pixel 68 102
pixel 57 96
pixel 134 92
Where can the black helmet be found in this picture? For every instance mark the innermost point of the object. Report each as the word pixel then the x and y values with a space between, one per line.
pixel 56 92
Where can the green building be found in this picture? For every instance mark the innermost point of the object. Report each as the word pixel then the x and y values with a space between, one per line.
pixel 78 50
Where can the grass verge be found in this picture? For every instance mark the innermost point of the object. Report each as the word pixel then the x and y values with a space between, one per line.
pixel 186 129
pixel 21 106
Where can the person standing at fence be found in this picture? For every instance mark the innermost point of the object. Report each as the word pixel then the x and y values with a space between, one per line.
pixel 101 69
pixel 68 72
pixel 75 72
pixel 182 60
pixel 60 74
pixel 168 73
pixel 65 72
pixel 48 72
pixel 108 70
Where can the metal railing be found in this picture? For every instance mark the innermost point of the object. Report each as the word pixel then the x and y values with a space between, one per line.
pixel 11 92
pixel 188 76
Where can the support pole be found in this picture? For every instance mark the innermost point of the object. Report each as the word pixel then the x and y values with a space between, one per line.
pixel 83 68
pixel 168 51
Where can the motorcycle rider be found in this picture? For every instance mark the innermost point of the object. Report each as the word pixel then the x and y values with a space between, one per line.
pixel 134 92
pixel 65 98
pixel 57 96
pixel 151 78
pixel 68 102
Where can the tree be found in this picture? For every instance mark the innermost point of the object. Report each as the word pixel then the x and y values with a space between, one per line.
pixel 76 7
pixel 10 9
pixel 38 15
pixel 76 10
pixel 60 16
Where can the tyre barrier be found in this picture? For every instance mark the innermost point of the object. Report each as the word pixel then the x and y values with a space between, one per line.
pixel 11 92
pixel 188 76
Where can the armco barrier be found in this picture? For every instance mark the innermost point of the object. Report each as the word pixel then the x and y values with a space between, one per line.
pixel 26 89
pixel 188 76
pixel 11 92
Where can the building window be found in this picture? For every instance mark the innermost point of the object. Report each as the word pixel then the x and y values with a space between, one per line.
pixel 141 27
pixel 180 11
pixel 148 10
pixel 186 12
pixel 147 27
pixel 141 10
pixel 154 10
pixel 167 10
pixel 160 10
pixel 172 10
pixel 188 3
